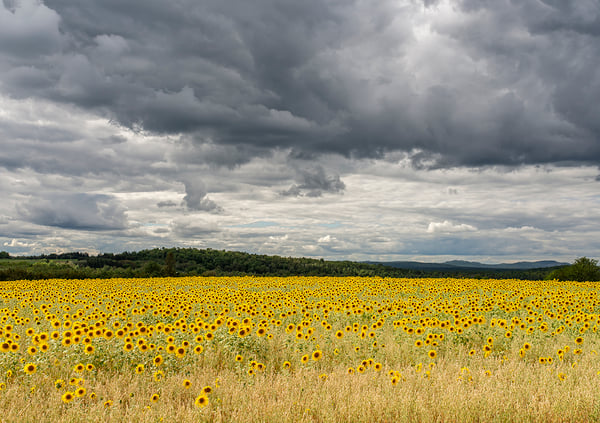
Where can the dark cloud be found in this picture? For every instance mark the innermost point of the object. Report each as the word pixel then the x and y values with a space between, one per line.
pixel 166 204
pixel 193 228
pixel 88 212
pixel 504 83
pixel 314 182
pixel 196 196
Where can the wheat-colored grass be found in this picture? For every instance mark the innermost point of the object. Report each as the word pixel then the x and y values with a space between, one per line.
pixel 504 385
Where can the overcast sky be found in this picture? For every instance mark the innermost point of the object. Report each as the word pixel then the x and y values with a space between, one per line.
pixel 344 129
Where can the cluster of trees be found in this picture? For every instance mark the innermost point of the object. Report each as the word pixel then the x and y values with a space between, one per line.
pixel 195 262
pixel 583 269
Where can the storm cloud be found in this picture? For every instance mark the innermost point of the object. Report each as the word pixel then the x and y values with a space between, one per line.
pixel 363 130
pixel 79 211
pixel 462 82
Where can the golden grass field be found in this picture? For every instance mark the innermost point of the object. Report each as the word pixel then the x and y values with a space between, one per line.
pixel 299 349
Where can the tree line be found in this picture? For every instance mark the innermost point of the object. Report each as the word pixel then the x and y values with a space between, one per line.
pixel 161 262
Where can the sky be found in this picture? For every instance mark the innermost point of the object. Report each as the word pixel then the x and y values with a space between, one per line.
pixel 343 129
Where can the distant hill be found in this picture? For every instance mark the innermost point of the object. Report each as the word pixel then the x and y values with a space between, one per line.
pixel 462 264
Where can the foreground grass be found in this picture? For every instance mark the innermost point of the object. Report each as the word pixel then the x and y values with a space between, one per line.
pixel 299 350
pixel 514 392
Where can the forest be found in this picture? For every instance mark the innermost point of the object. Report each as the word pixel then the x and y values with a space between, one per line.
pixel 161 262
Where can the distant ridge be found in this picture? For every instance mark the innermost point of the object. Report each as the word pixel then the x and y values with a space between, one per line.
pixel 462 264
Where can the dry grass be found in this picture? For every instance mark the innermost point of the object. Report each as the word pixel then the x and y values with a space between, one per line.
pixel 514 392
pixel 453 386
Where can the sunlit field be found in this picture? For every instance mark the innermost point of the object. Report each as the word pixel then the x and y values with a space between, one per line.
pixel 299 349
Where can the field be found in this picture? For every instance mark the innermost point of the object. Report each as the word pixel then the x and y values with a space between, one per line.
pixel 299 349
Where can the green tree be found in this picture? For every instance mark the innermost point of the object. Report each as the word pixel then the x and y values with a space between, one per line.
pixel 170 264
pixel 583 269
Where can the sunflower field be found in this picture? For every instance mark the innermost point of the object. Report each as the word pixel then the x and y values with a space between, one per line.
pixel 314 349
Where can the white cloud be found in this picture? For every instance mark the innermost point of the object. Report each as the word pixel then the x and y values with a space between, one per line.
pixel 279 238
pixel 16 243
pixel 325 239
pixel 448 227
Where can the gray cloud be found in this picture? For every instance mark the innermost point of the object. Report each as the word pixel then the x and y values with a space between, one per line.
pixel 193 228
pixel 195 116
pixel 314 182
pixel 196 196
pixel 166 204
pixel 87 212
pixel 481 83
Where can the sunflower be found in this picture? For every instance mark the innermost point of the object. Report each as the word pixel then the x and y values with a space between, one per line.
pixel 59 383
pixel 158 375
pixel 158 360
pixel 350 370
pixel 30 368
pixel 432 354
pixel 92 396
pixel 80 392
pixel 239 358
pixel 526 346
pixel 207 390
pixel 139 369
pixel 186 383
pixel 201 401
pixel 304 358
pixel 339 334
pixel 198 349
pixel 89 349
pixel 562 376
pixel 67 397
pixel 316 355
pixel 107 403
pixel 579 340
pixel 181 352
pixel 154 398
pixel 89 367
pixel 78 368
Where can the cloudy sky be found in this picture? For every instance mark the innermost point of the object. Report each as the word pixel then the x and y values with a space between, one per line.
pixel 343 129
